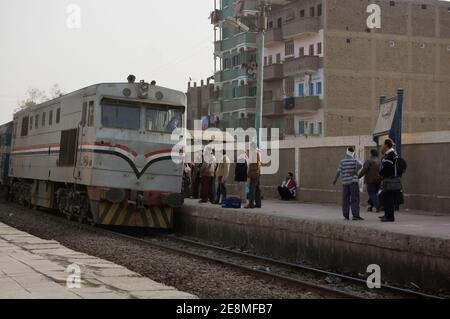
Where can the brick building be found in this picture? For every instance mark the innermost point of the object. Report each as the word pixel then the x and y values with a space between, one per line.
pixel 325 69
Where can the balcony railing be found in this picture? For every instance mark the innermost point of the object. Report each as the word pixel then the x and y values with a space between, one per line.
pixel 304 104
pixel 244 39
pixel 301 26
pixel 215 107
pixel 273 72
pixel 230 75
pixel 272 108
pixel 304 64
pixel 273 35
pixel 239 104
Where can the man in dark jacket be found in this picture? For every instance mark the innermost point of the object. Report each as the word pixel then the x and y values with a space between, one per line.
pixel 391 183
pixel 241 177
pixel 371 174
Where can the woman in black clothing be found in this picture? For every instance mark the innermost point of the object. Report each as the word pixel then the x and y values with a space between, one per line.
pixel 391 196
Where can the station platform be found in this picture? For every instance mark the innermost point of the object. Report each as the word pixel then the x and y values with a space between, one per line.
pixel 33 268
pixel 413 250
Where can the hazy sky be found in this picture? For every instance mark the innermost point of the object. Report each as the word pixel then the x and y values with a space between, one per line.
pixel 167 41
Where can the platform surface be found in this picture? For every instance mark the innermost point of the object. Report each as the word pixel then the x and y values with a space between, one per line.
pixel 33 268
pixel 414 223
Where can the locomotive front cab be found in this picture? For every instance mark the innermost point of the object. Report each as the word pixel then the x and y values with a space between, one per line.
pixel 135 174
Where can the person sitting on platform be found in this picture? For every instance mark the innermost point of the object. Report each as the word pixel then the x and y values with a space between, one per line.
pixel 288 189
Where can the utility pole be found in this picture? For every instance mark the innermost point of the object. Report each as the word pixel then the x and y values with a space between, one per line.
pixel 261 25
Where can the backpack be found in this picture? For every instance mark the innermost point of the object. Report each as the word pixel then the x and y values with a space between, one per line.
pixel 232 202
pixel 402 166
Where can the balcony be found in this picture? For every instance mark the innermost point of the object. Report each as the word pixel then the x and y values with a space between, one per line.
pixel 273 72
pixel 217 47
pixel 305 104
pixel 244 40
pixel 230 75
pixel 273 36
pixel 215 107
pixel 271 108
pixel 301 26
pixel 306 64
pixel 239 104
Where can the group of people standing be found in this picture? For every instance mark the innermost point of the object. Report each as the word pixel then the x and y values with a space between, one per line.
pixel 208 178
pixel 382 178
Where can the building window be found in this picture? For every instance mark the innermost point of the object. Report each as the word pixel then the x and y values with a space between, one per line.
pixel 302 13
pixel 311 128
pixel 320 128
pixel 289 87
pixel 278 58
pixel 270 25
pixel 319 10
pixel 270 60
pixel 24 130
pixel 301 127
pixel 50 118
pixel 280 22
pixel 235 92
pixel 319 88
pixel 301 90
pixel 265 60
pixel 43 119
pixel 312 11
pixel 311 49
pixel 311 89
pixel 302 52
pixel 289 48
pixel 58 115
pixel 252 91
pixel 36 121
pixel 319 48
pixel 31 123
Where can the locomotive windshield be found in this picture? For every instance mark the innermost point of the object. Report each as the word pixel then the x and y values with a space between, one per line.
pixel 121 116
pixel 127 115
pixel 160 119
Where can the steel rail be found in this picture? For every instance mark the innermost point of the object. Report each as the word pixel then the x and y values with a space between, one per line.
pixel 387 287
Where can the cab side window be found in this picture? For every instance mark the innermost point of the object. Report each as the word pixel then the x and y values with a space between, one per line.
pixel 91 114
pixel 58 115
pixel 24 130
pixel 84 114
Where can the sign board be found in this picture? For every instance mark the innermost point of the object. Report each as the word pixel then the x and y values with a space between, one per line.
pixel 386 118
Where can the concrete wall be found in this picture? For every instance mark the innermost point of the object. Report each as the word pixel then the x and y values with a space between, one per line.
pixel 340 246
pixel 314 162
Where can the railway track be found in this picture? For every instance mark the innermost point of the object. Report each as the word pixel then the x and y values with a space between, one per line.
pixel 303 276
pixel 306 277
pixel 318 274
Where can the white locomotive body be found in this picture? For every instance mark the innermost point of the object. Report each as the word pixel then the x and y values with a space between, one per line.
pixel 103 153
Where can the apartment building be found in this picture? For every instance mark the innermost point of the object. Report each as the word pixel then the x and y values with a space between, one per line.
pixel 235 58
pixel 325 68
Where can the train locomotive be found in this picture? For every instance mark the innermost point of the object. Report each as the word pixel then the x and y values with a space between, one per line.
pixel 103 155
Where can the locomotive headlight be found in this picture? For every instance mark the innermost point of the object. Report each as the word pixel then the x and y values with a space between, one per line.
pixel 143 90
pixel 115 195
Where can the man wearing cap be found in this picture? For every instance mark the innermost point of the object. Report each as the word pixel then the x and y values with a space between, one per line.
pixel 348 172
